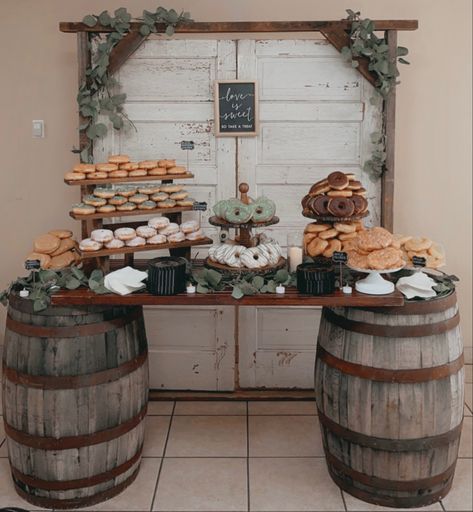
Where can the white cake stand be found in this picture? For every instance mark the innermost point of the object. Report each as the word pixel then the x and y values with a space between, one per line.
pixel 374 283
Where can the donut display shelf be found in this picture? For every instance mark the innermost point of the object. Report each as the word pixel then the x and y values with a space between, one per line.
pixel 133 179
pixel 244 270
pixel 222 223
pixel 331 218
pixel 125 213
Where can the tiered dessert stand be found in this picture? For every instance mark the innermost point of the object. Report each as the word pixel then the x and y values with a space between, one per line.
pixel 101 258
pixel 243 236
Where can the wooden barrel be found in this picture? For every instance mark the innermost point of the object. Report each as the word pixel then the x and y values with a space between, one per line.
pixel 389 391
pixel 75 393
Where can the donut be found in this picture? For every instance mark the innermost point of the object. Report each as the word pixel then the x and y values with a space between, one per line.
pixel 44 259
pixel 126 207
pixel 305 201
pixel 317 190
pixel 102 235
pixel 340 193
pixel 115 243
pixel 158 222
pixel 360 204
pixel 166 163
pixel 264 209
pixel 137 173
pixel 400 240
pixel 418 244
pixel 89 245
pixel 354 185
pixel 83 209
pixel 138 241
pixel 63 260
pixel 107 167
pixel 317 246
pixel 315 227
pixel 329 233
pixel 195 235
pixel 179 196
pixel 117 200
pixel 176 237
pixel 167 203
pixel 127 191
pixel 145 231
pixel 157 239
pixel 349 245
pixel 147 205
pixel 373 239
pixel 237 212
pixel 118 159
pixel 129 166
pixel 148 188
pixel 188 201
pixel 159 196
pixel 360 192
pixel 66 245
pixel 435 251
pixel 85 168
pixel 382 259
pixel 319 205
pixel 233 254
pixel 333 245
pixel 170 229
pixel 125 234
pixel 46 244
pixel 74 176
pixel 157 171
pixel 61 233
pixel 118 174
pixel 104 193
pixel 106 208
pixel 189 226
pixel 169 188
pixel 177 169
pixel 93 201
pixel 338 180
pixel 138 198
pixel 357 260
pixel 98 175
pixel 344 228
pixel 341 206
pixel 148 164
pixel 347 236
pixel 253 258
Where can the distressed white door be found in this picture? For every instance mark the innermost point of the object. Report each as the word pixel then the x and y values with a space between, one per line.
pixel 315 117
pixel 169 87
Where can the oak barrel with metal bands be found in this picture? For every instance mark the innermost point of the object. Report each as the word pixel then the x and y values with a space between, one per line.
pixel 75 392
pixel 389 390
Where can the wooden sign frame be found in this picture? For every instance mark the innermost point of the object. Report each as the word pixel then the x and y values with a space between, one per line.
pixel 217 129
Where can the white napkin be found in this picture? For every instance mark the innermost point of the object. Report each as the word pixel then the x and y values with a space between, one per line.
pixel 417 285
pixel 125 281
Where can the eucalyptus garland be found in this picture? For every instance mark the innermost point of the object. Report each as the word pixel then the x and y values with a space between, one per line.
pixel 366 44
pixel 96 96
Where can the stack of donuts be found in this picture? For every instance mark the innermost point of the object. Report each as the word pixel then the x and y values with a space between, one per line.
pixel 266 254
pixel 420 247
pixel 339 195
pixel 235 211
pixel 323 239
pixel 120 166
pixel 159 230
pixel 124 198
pixel 55 250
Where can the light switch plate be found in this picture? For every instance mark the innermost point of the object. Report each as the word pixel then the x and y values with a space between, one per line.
pixel 38 128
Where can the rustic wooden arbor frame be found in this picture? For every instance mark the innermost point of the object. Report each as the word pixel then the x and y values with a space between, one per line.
pixel 336 32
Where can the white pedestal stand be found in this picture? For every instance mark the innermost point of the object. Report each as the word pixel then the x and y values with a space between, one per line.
pixel 374 283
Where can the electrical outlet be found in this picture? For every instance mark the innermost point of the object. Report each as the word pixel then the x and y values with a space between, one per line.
pixel 38 128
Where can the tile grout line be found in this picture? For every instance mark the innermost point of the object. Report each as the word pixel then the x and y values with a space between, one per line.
pixel 248 457
pixel 162 458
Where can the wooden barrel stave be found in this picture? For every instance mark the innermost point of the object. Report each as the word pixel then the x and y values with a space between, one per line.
pixel 388 407
pixel 104 377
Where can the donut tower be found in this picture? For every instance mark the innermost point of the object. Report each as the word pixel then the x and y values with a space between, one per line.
pixel 337 204
pixel 245 251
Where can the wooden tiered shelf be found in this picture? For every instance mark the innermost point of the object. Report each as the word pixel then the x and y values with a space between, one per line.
pixel 107 181
pixel 137 211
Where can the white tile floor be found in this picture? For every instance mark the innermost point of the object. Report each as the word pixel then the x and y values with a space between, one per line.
pixel 239 456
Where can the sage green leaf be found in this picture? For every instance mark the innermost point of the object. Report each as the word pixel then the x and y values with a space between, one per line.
pixel 118 99
pixel 258 282
pixel 100 130
pixel 201 289
pixel 145 30
pixel 172 16
pixel 40 305
pixel 213 277
pixel 84 155
pixel 237 292
pixel 401 51
pixel 101 290
pixel 271 286
pixel 281 275
pixel 403 61
pixel 72 283
pixel 170 30
pixel 105 18
pixel 89 20
pixel 77 272
pixel 247 288
pixel 116 120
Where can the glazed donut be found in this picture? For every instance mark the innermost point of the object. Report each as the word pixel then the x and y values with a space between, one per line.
pixel 83 209
pixel 135 173
pixel 126 207
pixel 319 205
pixel 319 189
pixel 237 212
pixel 148 188
pixel 74 176
pixel 166 163
pixel 338 180
pixel 177 169
pixel 360 192
pixel 316 247
pixel 138 198
pixel 93 201
pixel 169 229
pixel 89 245
pixel 118 174
pixel 253 258
pixel 188 201
pixel 347 236
pixel 315 227
pixel 104 193
pixel 264 209
pixel 138 241
pixel 329 233
pixel 189 226
pixel 102 235
pixel 167 203
pixel 118 159
pixel 179 196
pixel 97 175
pixel 157 171
pixel 341 206
pixel 147 205
pixel 418 244
pixel 220 251
pixel 117 200
pixel 333 245
pixel 85 168
pixel 148 164
pixel 127 191
pixel 344 228
pixel 158 222
pixel 232 256
pixel 146 231
pixel 125 233
pixel 106 167
pixel 195 235
pixel 354 185
pixel 115 243
pixel 305 201
pixel 129 166
pixel 177 237
pixel 157 239
pixel 340 193
pixel 170 188
pixel 360 204
pixel 159 196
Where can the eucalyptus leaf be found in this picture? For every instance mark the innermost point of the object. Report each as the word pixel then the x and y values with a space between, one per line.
pixel 105 18
pixel 40 304
pixel 145 30
pixel 258 282
pixel 281 275
pixel 72 283
pixel 201 288
pixel 170 30
pixel 237 293
pixel 89 20
pixel 213 277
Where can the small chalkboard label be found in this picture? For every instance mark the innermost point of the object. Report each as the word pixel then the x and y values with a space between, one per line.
pixel 32 264
pixel 187 144
pixel 339 257
pixel 236 108
pixel 418 261
pixel 200 206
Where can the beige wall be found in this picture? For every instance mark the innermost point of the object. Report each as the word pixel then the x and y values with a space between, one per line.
pixel 433 147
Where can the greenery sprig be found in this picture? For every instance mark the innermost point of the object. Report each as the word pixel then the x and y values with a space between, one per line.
pixel 97 94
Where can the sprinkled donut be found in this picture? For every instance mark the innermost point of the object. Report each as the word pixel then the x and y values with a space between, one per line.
pixel 189 226
pixel 138 241
pixel 158 222
pixel 102 235
pixel 170 229
pixel 115 243
pixel 157 239
pixel 89 245
pixel 177 237
pixel 125 233
pixel 145 231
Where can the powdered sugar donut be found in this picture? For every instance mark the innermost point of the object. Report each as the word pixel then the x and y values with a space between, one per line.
pixel 115 243
pixel 145 231
pixel 157 239
pixel 170 229
pixel 138 241
pixel 158 222
pixel 195 235
pixel 88 245
pixel 189 226
pixel 177 237
pixel 102 235
pixel 125 233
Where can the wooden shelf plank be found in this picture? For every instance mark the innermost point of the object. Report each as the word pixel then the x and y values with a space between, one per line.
pixel 132 250
pixel 248 26
pixel 130 213
pixel 107 181
pixel 292 297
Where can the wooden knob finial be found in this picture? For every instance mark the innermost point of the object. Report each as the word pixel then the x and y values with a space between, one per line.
pixel 243 188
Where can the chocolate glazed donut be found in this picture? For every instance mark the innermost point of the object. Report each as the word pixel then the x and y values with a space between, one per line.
pixel 360 204
pixel 341 206
pixel 338 180
pixel 319 205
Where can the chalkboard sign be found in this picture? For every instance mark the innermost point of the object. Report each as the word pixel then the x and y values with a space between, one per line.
pixel 236 108
pixel 199 206
pixel 339 257
pixel 32 264
pixel 418 261
pixel 187 144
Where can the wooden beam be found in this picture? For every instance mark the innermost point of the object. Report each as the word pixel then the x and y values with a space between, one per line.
pixel 339 38
pixel 124 49
pixel 387 188
pixel 248 26
pixel 83 62
pixel 238 394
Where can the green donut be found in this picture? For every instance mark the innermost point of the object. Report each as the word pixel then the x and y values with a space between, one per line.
pixel 236 212
pixel 264 209
pixel 218 209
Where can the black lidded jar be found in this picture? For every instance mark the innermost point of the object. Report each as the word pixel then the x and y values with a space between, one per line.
pixel 167 276
pixel 315 279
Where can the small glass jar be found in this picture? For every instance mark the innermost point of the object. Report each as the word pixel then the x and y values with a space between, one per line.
pixel 295 251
